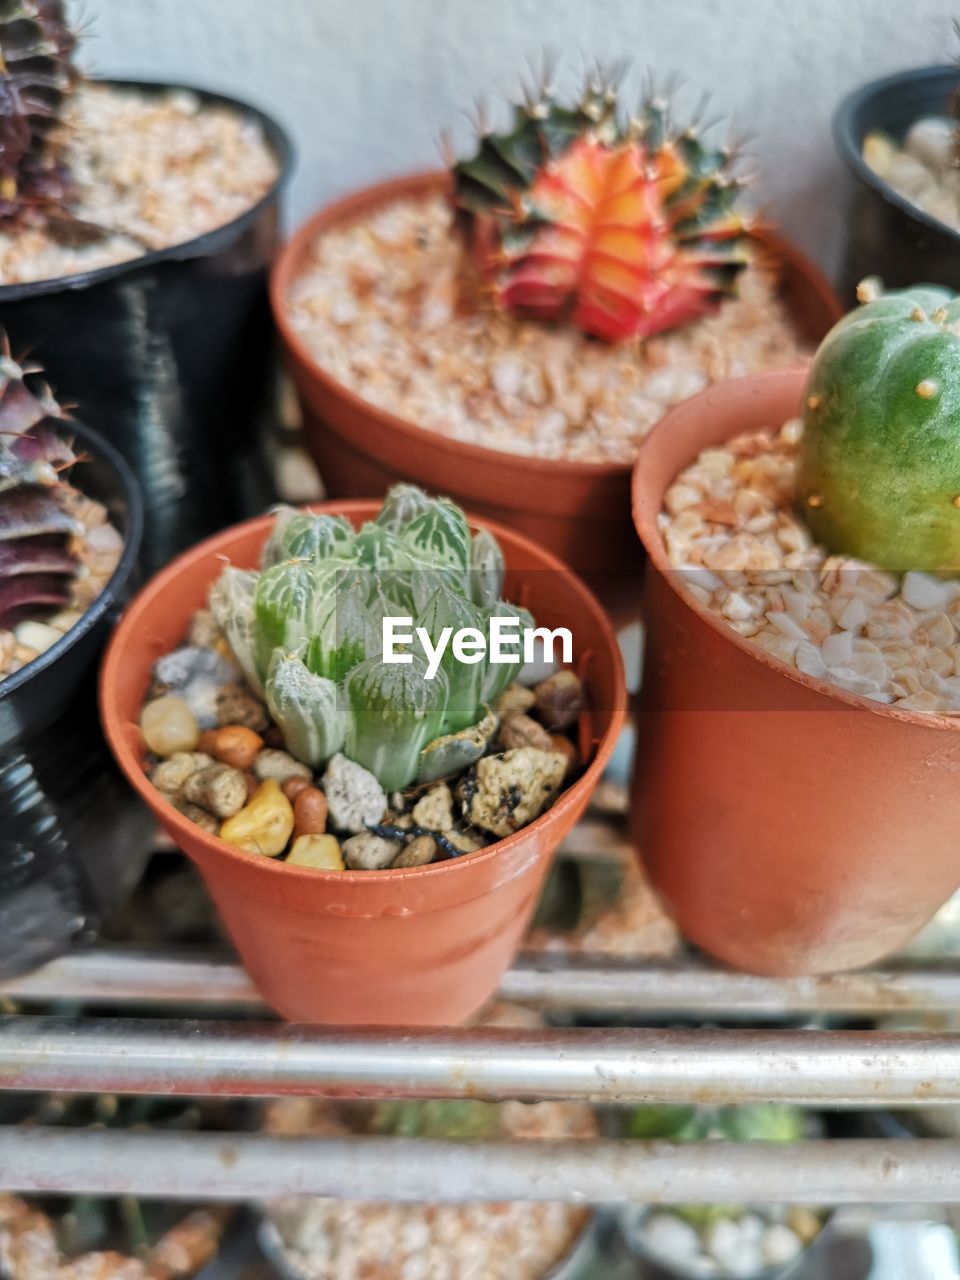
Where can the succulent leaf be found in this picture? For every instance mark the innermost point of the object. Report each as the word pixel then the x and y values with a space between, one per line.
pixel 307 709
pixel 486 568
pixel 300 535
pixel 232 602
pixel 392 712
pixel 452 752
pixel 448 610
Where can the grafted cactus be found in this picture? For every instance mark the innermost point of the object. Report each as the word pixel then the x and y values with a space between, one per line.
pixel 307 629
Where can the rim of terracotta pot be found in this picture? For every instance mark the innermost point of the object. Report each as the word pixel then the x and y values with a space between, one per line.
pixel 776 380
pixel 341 212
pixel 115 725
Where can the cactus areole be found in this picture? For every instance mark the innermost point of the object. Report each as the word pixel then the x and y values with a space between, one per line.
pixel 879 472
pixel 624 229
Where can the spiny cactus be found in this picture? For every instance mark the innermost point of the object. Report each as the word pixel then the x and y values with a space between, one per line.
pixel 879 467
pixel 37 76
pixel 37 564
pixel 307 629
pixel 622 228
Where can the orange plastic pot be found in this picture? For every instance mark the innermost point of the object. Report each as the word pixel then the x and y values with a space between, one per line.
pixel 424 945
pixel 578 510
pixel 790 827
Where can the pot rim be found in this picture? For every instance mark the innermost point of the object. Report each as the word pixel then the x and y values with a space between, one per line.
pixel 850 147
pixel 417 185
pixel 209 242
pixel 114 724
pixel 652 541
pixel 104 452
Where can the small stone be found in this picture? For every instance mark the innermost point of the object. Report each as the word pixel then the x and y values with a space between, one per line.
pixel 369 852
pixel 319 851
pixel 64 620
pixel 264 824
pixel 464 841
pixel 233 745
pixel 355 797
pixel 310 810
pixel 280 765
pixel 37 636
pixel 199 817
pixel 561 743
pixel 559 700
pixel 516 699
pixel 196 675
pixel 518 730
pixel 804 1223
pixel 780 1245
pixel 235 704
pixel 292 787
pixel 204 632
pixel 670 1238
pixel 217 788
pixel 169 775
pixel 923 592
pixel 435 809
pixel 506 792
pixel 418 853
pixel 168 726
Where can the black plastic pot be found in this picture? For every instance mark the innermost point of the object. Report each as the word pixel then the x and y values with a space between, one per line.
pixel 172 356
pixel 887 236
pixel 73 837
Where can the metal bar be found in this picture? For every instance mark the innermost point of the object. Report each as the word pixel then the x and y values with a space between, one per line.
pixel 241 1166
pixel 210 1058
pixel 203 979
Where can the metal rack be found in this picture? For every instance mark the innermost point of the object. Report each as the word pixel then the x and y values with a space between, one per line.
pixel 63 1044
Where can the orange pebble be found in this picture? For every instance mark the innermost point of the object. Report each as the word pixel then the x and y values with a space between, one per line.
pixel 310 812
pixel 293 786
pixel 233 745
pixel 252 782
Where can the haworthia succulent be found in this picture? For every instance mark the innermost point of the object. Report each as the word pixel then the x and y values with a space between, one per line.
pixel 486 568
pixel 232 603
pixel 392 712
pixel 298 535
pixel 465 680
pixel 307 708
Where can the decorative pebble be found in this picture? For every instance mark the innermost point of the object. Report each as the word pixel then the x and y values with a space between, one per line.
pixel 168 726
pixel 671 1237
pixel 435 809
pixel 369 852
pixel 169 775
pixel 237 705
pixel 780 1245
pixel 418 853
pixel 505 792
pixel 37 636
pixel 280 765
pixel 355 797
pixel 200 817
pixel 217 788
pixel 196 675
pixel 233 744
pixel 264 824
pixel 923 592
pixel 310 810
pixel 559 700
pixel 561 743
pixel 320 851
pixel 518 730
pixel 516 699
pixel 204 632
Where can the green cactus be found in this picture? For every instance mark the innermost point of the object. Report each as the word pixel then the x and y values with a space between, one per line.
pixel 307 631
pixel 879 466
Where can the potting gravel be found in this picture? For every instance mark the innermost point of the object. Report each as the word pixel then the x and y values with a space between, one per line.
pixel 730 529
pixel 153 170
pixel 380 307
pixel 923 168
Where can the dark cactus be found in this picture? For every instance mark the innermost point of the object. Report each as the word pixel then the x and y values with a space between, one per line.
pixel 37 564
pixel 37 77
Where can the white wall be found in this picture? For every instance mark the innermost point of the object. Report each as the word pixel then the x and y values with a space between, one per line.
pixel 366 86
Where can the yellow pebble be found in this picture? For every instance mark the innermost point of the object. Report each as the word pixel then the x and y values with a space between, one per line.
pixel 322 852
pixel 264 824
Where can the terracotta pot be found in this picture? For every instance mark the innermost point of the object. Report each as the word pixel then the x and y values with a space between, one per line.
pixel 424 945
pixel 577 510
pixel 791 827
